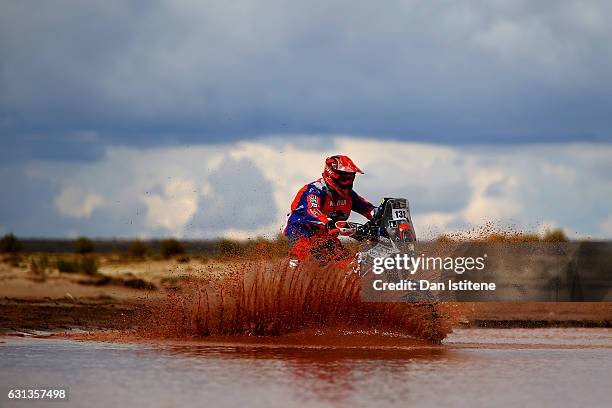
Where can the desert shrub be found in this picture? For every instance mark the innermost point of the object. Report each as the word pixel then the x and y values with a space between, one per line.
pixel 229 248
pixel 88 265
pixel 174 282
pixel 259 247
pixel 171 278
pixel 443 239
pixel 15 260
pixel 129 280
pixel 554 235
pixel 267 248
pixel 170 247
pixel 67 265
pixel 83 246
pixel 513 237
pixel 280 246
pixel 137 283
pixel 183 258
pixel 44 262
pixel 138 249
pixel 9 243
pixel 508 237
pixel 40 266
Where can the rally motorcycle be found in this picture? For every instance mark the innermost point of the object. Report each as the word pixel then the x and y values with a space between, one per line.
pixel 390 232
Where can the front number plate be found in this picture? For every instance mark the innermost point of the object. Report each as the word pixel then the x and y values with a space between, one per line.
pixel 400 214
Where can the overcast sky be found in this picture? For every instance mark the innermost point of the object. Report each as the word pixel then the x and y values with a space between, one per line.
pixel 153 118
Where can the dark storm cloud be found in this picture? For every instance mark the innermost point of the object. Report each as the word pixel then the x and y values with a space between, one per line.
pixel 26 205
pixel 147 73
pixel 70 147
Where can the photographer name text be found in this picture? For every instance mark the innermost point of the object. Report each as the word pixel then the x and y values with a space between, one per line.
pixel 424 284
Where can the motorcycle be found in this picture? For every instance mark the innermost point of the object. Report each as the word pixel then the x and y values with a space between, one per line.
pixel 389 232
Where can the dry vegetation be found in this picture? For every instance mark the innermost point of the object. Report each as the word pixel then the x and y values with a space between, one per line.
pixel 144 265
pixel 488 234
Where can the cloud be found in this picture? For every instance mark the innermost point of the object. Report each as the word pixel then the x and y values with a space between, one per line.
pixel 245 189
pixel 157 73
pixel 528 40
pixel 174 208
pixel 431 224
pixel 79 146
pixel 494 196
pixel 236 197
pixel 75 203
pixel 606 227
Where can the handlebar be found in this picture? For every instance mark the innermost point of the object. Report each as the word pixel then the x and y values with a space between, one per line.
pixel 356 230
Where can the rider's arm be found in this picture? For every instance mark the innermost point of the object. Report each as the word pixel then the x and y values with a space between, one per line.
pixel 314 202
pixel 361 205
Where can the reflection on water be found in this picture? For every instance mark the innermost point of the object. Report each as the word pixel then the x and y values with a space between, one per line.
pixel 560 371
pixel 317 376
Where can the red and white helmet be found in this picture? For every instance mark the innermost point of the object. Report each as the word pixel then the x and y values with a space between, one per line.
pixel 339 174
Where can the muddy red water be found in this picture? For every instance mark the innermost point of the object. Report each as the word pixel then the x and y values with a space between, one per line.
pixel 264 335
pixel 272 299
pixel 474 367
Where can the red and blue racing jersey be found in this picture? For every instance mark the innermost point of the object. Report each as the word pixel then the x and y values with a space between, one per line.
pixel 316 204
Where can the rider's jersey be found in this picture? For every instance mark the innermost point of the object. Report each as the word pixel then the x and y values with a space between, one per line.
pixel 316 204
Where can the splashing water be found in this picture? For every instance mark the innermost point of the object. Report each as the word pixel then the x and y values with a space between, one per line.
pixel 268 298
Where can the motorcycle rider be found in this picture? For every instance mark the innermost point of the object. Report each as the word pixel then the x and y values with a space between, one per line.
pixel 311 225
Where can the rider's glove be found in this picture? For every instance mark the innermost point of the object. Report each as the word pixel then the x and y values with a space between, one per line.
pixel 376 213
pixel 331 228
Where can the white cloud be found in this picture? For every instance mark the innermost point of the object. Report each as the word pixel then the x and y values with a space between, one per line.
pixel 206 189
pixel 562 172
pixel 174 208
pixel 431 224
pixel 75 202
pixel 245 189
pixel 486 205
pixel 268 231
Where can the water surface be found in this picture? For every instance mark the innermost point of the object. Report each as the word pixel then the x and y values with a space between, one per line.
pixel 476 367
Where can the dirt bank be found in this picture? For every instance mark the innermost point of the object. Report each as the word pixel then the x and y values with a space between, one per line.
pixel 21 315
pixel 537 314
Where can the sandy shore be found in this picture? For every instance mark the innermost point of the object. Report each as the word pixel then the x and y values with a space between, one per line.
pixel 19 315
